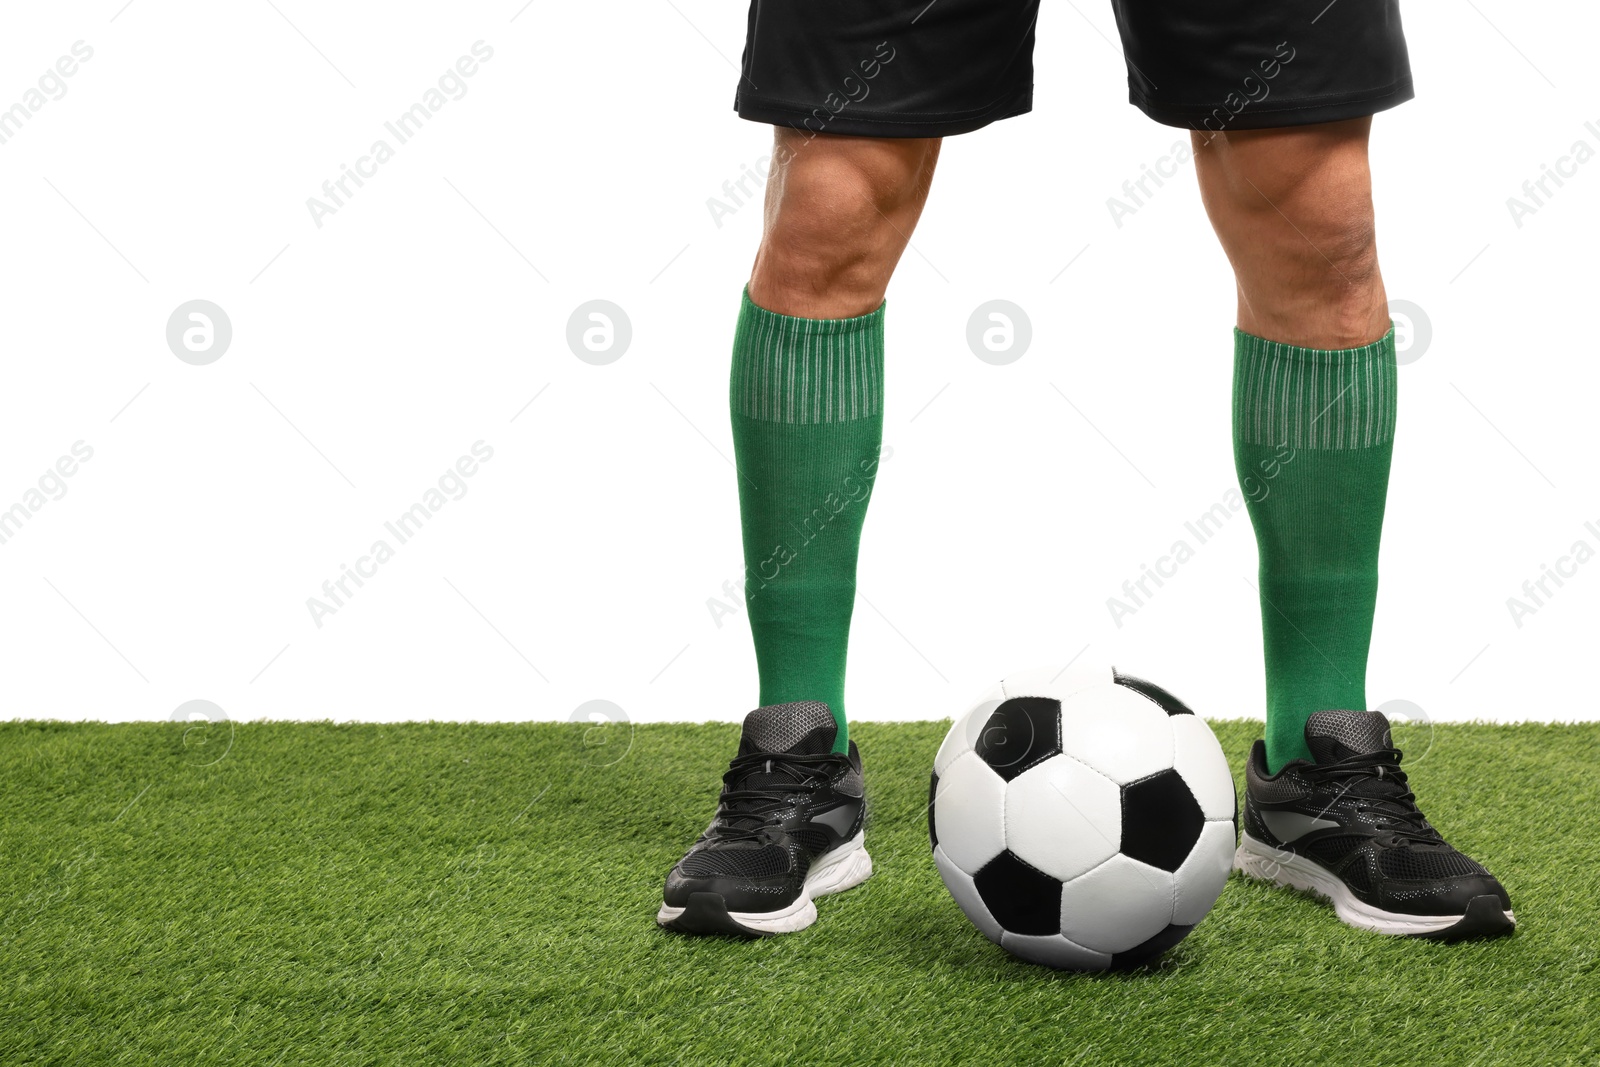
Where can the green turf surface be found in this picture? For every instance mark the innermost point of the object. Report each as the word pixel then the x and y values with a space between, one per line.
pixel 432 893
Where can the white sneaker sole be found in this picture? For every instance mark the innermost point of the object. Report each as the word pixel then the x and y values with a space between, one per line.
pixel 843 868
pixel 1261 861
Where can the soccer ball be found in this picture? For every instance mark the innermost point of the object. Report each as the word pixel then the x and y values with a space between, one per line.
pixel 1083 819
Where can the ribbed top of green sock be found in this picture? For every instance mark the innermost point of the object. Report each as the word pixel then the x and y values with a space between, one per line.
pixel 788 369
pixel 1313 397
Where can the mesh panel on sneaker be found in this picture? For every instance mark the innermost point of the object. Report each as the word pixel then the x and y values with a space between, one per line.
pixel 852 782
pixel 1287 787
pixel 802 727
pixel 1254 825
pixel 1358 876
pixel 1330 850
pixel 766 862
pixel 1374 819
pixel 1416 865
pixel 1359 732
pixel 812 840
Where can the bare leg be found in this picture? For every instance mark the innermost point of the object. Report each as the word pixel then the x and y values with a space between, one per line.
pixel 1293 210
pixel 839 212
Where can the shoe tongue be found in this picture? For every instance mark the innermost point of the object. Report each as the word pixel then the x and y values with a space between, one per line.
pixel 1335 735
pixel 799 728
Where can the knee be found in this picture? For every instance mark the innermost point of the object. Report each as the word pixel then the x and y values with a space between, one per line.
pixel 1293 209
pixel 825 204
pixel 1346 250
pixel 839 214
pixel 1325 277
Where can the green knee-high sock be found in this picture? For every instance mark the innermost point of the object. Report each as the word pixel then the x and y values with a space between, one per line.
pixel 807 405
pixel 1313 431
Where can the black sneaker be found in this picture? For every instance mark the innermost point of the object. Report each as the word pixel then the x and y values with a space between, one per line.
pixel 788 829
pixel 1347 828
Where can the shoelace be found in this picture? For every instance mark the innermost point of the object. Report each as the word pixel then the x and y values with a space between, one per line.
pixel 743 814
pixel 1376 779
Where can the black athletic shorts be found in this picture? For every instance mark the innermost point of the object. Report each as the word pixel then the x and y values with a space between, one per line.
pixel 914 68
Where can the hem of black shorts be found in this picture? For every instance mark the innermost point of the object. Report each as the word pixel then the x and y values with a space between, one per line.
pixel 1289 114
pixel 866 124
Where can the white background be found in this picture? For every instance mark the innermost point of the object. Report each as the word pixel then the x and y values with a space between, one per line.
pixel 428 311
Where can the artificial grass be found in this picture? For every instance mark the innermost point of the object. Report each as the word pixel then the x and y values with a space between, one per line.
pixel 485 894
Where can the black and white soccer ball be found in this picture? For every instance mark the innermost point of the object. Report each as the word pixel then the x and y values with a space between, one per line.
pixel 1085 821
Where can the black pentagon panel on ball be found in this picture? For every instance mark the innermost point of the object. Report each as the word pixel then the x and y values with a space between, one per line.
pixel 1022 899
pixel 1152 692
pixel 933 793
pixel 1161 820
pixel 1147 952
pixel 1020 733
